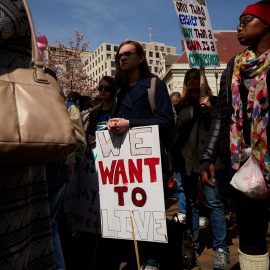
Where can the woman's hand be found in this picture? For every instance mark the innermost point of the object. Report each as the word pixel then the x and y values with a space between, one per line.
pixel 118 125
pixel 111 124
pixel 205 101
pixel 209 177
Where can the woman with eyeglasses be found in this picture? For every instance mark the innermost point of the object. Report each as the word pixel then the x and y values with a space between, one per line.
pixel 132 108
pixel 242 126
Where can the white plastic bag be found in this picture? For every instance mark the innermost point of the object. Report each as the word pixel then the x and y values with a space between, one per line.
pixel 249 180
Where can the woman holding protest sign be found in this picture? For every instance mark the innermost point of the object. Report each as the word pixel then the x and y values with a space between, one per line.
pixel 134 107
pixel 241 129
pixel 193 124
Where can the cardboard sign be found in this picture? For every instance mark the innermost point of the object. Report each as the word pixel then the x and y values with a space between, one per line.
pixel 131 185
pixel 86 205
pixel 197 33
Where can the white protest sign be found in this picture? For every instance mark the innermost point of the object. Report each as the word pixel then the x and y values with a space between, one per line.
pixel 86 206
pixel 197 33
pixel 130 185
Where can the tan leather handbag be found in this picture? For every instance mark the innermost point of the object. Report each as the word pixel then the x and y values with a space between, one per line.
pixel 34 124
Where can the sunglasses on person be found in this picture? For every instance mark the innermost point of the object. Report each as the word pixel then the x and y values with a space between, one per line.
pixel 244 20
pixel 127 54
pixel 104 88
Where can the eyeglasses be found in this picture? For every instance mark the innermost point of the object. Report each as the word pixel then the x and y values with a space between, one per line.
pixel 244 20
pixel 104 88
pixel 126 54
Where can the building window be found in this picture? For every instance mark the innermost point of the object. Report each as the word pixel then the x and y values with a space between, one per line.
pixel 108 47
pixel 168 50
pixel 156 48
pixel 115 48
pixel 156 69
pixel 112 64
pixel 157 54
pixel 150 54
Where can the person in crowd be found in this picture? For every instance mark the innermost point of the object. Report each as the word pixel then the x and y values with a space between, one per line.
pixel 101 113
pixel 96 120
pixel 176 178
pixel 193 124
pixel 73 107
pixel 132 107
pixel 175 100
pixel 242 123
pixel 61 176
pixel 25 229
pixel 58 175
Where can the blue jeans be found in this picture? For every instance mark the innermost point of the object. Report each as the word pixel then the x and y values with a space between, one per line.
pixel 215 207
pixel 56 195
pixel 180 194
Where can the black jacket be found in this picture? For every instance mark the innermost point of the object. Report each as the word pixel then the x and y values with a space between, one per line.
pixel 194 127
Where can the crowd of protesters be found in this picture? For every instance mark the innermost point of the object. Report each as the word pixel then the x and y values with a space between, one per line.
pixel 203 140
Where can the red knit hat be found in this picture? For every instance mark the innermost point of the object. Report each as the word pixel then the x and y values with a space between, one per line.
pixel 260 10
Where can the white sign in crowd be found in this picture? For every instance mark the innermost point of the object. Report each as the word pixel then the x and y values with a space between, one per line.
pixel 86 207
pixel 130 185
pixel 197 33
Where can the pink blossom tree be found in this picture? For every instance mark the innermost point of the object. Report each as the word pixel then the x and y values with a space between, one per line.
pixel 69 64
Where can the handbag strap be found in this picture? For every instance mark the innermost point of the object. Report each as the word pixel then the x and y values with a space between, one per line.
pixel 39 74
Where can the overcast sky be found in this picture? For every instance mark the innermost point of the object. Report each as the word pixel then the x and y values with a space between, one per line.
pixel 113 21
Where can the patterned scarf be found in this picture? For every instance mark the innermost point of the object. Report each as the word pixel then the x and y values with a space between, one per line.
pixel 246 65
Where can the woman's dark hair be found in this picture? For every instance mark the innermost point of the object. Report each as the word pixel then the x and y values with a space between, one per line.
pixel 186 97
pixel 111 81
pixel 86 102
pixel 120 76
pixel 74 96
